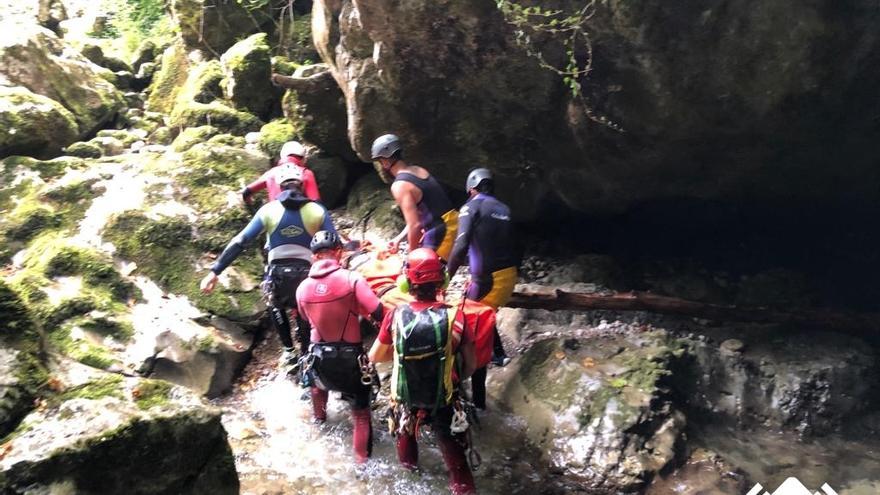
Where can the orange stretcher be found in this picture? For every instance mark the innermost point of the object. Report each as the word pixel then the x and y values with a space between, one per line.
pixel 381 269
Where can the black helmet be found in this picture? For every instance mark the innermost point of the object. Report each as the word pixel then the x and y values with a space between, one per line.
pixel 324 239
pixel 477 176
pixel 384 146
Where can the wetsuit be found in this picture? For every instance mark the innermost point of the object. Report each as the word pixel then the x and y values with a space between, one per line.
pixel 273 189
pixel 289 223
pixel 452 446
pixel 485 232
pixel 436 215
pixel 331 299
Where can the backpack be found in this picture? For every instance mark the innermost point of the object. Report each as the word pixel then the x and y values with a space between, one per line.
pixel 423 357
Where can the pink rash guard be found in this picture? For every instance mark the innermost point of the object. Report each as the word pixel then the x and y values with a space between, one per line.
pixel 273 189
pixel 331 299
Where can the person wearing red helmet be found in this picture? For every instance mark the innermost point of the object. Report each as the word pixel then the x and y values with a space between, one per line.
pixel 293 153
pixel 431 353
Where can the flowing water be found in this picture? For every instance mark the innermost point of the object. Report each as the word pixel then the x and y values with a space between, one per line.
pixel 278 449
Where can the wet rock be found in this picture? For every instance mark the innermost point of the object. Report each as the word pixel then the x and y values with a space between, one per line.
pixel 704 473
pixel 32 124
pixel 599 411
pixel 810 382
pixel 602 271
pixel 371 205
pixel 108 434
pixel 315 106
pixel 208 363
pixel 41 62
pixel 331 173
pixel 246 69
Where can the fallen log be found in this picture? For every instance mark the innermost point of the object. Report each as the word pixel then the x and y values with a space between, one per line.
pixel 532 296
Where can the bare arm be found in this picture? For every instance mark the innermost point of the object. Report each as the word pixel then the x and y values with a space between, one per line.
pixel 405 195
pixel 380 353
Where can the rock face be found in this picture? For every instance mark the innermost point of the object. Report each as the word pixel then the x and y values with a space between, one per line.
pixel 31 124
pixel 809 382
pixel 731 102
pixel 38 60
pixel 598 407
pixel 105 434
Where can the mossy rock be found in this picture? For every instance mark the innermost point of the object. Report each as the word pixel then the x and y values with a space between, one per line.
pixel 126 137
pixel 96 268
pixel 32 124
pixel 84 150
pixel 71 192
pixel 17 320
pixel 216 114
pixel 145 53
pixel 203 85
pixel 274 134
pixel 283 65
pixel 29 219
pixel 109 146
pixel 111 434
pixel 169 79
pixel 371 199
pixel 162 135
pixel 192 136
pixel 146 125
pixel 47 169
pixel 247 68
pixel 164 251
pixel 216 26
pixel 228 140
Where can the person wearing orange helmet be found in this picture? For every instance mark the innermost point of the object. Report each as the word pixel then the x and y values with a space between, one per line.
pixel 431 353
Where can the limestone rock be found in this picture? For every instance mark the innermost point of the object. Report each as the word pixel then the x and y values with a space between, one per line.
pixel 84 150
pixel 247 68
pixel 598 408
pixel 39 61
pixel 32 124
pixel 51 13
pixel 742 103
pixel 273 135
pixel 370 201
pixel 145 53
pixel 108 434
pixel 192 136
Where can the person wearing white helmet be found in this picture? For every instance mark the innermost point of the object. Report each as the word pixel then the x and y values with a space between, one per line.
pixel 289 222
pixel 292 154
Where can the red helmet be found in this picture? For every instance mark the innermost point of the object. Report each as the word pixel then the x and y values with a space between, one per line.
pixel 423 265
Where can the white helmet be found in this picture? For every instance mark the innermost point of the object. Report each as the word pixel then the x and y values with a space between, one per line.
pixel 288 172
pixel 292 148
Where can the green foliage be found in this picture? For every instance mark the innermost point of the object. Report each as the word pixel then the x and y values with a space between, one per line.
pixel 105 386
pixel 136 21
pixel 534 25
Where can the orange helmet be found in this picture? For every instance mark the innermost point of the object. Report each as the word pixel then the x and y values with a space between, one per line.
pixel 423 265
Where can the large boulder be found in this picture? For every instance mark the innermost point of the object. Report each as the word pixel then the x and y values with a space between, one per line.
pixel 599 407
pixel 32 124
pixel 370 202
pixel 215 25
pixel 51 13
pixel 247 67
pixel 38 60
pixel 331 173
pixel 746 102
pixel 315 106
pixel 107 434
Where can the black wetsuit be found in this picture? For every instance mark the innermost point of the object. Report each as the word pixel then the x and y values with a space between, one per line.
pixel 431 209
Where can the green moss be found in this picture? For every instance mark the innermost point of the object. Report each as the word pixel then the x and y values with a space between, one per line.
pixel 227 140
pixel 203 84
pixel 170 78
pixel 121 331
pixel 32 124
pixel 152 393
pixel 283 65
pixel 211 169
pixel 47 169
pixel 274 134
pixel 73 192
pixel 96 268
pixel 85 352
pixel 123 136
pixel 16 321
pixel 26 223
pixel 84 150
pixel 192 136
pixel 109 385
pixel 215 231
pixel 247 66
pixel 162 135
pixel 217 114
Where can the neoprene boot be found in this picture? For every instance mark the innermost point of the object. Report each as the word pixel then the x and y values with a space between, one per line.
pixel 363 434
pixel 461 480
pixel 319 404
pixel 408 451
